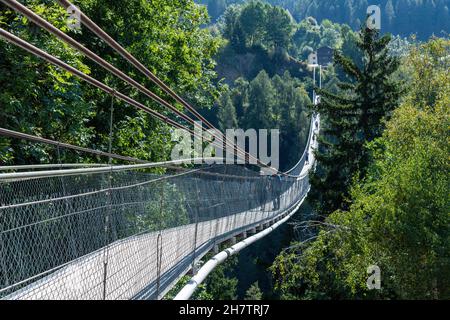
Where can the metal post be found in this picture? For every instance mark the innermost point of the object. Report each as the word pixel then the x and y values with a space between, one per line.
pixel 197 191
pixel 223 195
pixel 320 76
pixel 314 84
pixel 109 210
pixel 159 241
pixel 158 264
pixel 111 119
pixel 2 252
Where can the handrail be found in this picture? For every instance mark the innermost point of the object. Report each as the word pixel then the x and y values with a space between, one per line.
pixel 51 165
pixel 311 130
pixel 108 168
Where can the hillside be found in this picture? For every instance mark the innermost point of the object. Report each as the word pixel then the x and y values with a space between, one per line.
pixel 399 17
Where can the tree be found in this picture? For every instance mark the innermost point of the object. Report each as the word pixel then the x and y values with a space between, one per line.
pixel 280 103
pixel 291 118
pixel 252 20
pixel 402 16
pixel 399 217
pixel 184 62
pixel 260 113
pixel 219 285
pixel 350 49
pixel 240 98
pixel 165 36
pixel 258 24
pixel 231 29
pixel 254 292
pixel 36 97
pixel 279 28
pixel 310 36
pixel 353 117
pixel 227 113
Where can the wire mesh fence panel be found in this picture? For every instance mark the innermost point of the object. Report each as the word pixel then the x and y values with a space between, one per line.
pixel 123 234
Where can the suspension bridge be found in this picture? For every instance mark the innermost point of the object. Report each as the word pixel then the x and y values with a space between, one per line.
pixel 104 231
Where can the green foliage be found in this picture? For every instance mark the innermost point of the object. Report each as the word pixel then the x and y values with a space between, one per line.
pixel 264 37
pixel 217 7
pixel 310 36
pixel 166 36
pixel 34 91
pixel 258 24
pixel 199 294
pixel 168 39
pixel 260 112
pixel 353 116
pixel 280 103
pixel 217 286
pixel 177 288
pixel 166 209
pixel 398 16
pixel 227 113
pixel 220 285
pixel 254 292
pixel 399 217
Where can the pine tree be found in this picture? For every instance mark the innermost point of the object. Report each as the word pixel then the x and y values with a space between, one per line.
pixel 353 117
pixel 259 114
pixel 227 113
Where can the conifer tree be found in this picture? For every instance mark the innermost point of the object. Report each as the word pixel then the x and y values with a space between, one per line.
pixel 227 113
pixel 353 117
pixel 262 101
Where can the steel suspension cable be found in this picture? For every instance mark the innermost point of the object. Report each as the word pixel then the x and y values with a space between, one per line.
pixel 30 48
pixel 55 61
pixel 44 55
pixel 85 20
pixel 94 57
pixel 18 7
pixel 50 28
pixel 131 59
pixel 24 136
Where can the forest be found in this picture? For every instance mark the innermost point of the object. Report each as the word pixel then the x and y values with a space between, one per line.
pixel 398 15
pixel 380 194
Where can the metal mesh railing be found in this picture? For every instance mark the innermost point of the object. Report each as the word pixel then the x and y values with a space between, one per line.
pixel 122 232
pixel 105 233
